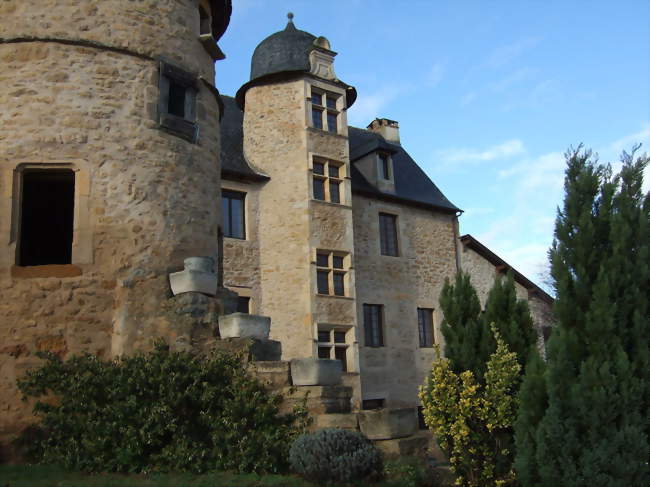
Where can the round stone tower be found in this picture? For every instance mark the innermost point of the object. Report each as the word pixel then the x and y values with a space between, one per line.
pixel 109 171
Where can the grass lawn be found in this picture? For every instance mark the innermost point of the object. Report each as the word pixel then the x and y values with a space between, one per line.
pixel 50 476
pixel 47 476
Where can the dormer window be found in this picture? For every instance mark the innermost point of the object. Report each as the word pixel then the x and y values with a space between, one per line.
pixel 384 169
pixel 324 112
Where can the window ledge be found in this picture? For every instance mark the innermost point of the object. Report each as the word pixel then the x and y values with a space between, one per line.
pixel 239 239
pixel 334 296
pixel 329 203
pixel 322 131
pixel 51 270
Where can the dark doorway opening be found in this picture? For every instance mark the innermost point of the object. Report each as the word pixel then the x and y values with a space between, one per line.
pixel 47 217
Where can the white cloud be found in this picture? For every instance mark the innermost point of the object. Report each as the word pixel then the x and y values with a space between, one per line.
pixel 512 79
pixel 545 172
pixel 626 142
pixel 505 54
pixel 477 211
pixel 507 149
pixel 369 105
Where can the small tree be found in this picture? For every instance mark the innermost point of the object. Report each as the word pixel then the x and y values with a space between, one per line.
pixel 472 421
pixel 467 341
pixel 592 429
pixel 512 318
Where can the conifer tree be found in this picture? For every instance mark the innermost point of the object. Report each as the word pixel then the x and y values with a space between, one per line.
pixel 511 317
pixel 467 341
pixel 592 430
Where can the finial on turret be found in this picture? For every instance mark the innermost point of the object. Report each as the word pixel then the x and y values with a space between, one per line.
pixel 290 25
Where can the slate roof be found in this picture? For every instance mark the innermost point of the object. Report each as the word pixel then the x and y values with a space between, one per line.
pixel 286 50
pixel 285 55
pixel 412 185
pixel 233 163
pixel 469 241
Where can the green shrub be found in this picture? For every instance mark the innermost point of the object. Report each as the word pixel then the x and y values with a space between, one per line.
pixel 158 411
pixel 407 472
pixel 332 455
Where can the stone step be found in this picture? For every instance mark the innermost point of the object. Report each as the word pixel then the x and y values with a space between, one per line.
pixel 346 421
pixel 251 349
pixel 273 375
pixel 411 446
pixel 319 399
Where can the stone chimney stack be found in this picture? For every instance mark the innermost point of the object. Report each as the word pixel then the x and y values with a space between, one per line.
pixel 389 129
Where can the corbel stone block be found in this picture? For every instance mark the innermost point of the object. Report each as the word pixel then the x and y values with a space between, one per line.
pixel 316 372
pixel 238 325
pixel 386 424
pixel 198 277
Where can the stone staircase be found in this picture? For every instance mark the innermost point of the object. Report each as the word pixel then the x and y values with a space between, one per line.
pixel 318 383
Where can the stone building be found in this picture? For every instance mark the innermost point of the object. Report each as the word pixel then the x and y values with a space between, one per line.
pixel 334 231
pixel 119 160
pixel 109 173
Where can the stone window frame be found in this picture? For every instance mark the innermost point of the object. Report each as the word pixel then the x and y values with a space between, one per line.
pixel 186 126
pixel 327 179
pixel 383 234
pixel 422 331
pixel 333 345
pixel 82 233
pixel 244 210
pixel 331 270
pixel 369 333
pixel 338 110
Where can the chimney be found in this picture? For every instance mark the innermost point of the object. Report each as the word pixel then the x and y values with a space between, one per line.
pixel 388 129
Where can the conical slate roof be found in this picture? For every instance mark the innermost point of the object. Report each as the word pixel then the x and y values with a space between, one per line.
pixel 287 50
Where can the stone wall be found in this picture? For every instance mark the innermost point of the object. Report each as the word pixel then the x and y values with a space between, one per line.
pixel 274 141
pixel 401 284
pixel 482 275
pixel 79 90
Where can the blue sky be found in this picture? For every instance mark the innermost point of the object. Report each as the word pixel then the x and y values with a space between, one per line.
pixel 488 94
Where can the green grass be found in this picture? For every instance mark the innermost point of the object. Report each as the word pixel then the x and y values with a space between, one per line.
pixel 47 476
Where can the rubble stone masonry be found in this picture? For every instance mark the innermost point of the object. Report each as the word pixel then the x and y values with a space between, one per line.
pixel 79 90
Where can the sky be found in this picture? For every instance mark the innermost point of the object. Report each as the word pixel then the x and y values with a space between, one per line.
pixel 489 95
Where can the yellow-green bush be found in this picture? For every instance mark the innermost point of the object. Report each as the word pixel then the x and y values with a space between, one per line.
pixel 473 422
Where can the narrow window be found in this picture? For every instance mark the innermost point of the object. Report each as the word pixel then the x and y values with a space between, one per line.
pixel 333 345
pixel 47 217
pixel 327 180
pixel 177 104
pixel 425 327
pixel 330 273
pixel 388 234
pixel 233 213
pixel 176 99
pixel 373 325
pixel 328 109
pixel 243 304
pixel 324 352
pixel 372 403
pixel 384 167
pixel 322 282
pixel 331 122
pixel 340 353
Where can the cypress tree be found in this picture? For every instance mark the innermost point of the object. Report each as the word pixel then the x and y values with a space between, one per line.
pixel 512 319
pixel 583 421
pixel 467 341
